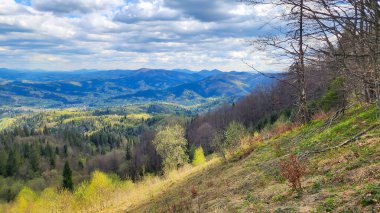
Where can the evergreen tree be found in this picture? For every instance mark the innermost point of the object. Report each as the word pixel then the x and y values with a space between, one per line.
pixel 50 154
pixel 3 160
pixel 34 158
pixel 13 163
pixel 67 177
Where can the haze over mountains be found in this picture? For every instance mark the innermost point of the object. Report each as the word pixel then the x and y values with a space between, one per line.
pixel 112 87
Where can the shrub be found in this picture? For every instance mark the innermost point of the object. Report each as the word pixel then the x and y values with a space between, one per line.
pixel 199 157
pixel 235 131
pixel 230 139
pixel 292 170
pixel 99 183
pixel 24 200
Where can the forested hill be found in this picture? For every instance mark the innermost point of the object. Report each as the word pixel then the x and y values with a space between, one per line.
pixel 118 87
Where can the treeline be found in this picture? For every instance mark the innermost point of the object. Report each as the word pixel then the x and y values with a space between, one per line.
pixel 33 151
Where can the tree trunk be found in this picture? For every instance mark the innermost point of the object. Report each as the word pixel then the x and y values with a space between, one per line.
pixel 376 10
pixel 303 111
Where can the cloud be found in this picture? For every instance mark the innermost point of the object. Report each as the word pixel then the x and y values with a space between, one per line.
pixel 8 28
pixel 117 34
pixel 206 11
pixel 145 11
pixel 74 6
pixel 11 7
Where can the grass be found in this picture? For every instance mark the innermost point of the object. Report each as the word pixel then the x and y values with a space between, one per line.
pixel 346 179
pixel 336 180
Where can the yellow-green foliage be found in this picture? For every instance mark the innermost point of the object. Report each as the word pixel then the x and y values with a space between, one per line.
pixel 170 143
pixel 199 157
pixel 101 194
pixel 87 196
pixel 139 116
pixel 95 191
pixel 24 200
pixel 6 122
pixel 99 185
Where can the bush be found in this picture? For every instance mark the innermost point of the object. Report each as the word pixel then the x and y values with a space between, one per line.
pixel 99 183
pixel 235 131
pixel 292 170
pixel 199 157
pixel 24 200
pixel 230 139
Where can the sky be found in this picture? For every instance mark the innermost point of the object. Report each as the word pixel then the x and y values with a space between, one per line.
pixel 132 34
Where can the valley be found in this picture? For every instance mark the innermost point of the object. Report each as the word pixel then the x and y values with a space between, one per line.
pixel 43 89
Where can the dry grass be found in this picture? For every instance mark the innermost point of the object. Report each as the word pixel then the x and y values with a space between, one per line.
pixel 152 188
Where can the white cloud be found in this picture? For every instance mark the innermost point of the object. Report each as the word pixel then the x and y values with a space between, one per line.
pixel 144 10
pixel 117 34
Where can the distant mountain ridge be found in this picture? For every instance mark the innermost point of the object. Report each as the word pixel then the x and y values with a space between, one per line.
pixel 107 88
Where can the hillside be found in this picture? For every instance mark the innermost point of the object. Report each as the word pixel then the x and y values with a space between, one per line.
pixel 340 180
pixel 232 84
pixel 345 179
pixel 340 177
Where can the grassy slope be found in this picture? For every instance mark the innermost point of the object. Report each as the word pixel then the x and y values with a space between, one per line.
pixel 336 180
pixel 341 179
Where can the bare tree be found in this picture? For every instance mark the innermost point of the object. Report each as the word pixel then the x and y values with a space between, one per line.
pixel 290 43
pixel 346 32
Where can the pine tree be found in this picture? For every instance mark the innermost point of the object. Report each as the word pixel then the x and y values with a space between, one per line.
pixel 50 154
pixel 3 160
pixel 67 178
pixel 13 163
pixel 34 158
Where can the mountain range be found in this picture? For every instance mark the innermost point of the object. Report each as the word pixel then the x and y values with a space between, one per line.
pixel 116 87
